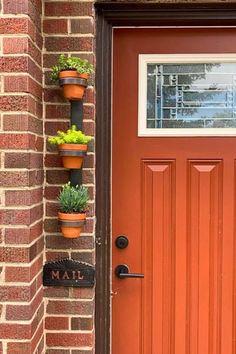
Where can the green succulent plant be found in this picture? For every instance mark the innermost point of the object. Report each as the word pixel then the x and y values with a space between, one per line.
pixel 71 63
pixel 71 136
pixel 73 199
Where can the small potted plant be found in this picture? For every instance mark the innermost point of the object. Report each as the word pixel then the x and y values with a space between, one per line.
pixel 72 215
pixel 72 73
pixel 72 146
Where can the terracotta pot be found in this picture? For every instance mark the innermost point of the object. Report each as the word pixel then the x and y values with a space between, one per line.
pixel 72 155
pixel 73 91
pixel 71 224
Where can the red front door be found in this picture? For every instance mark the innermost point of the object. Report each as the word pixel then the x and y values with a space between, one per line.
pixel 174 199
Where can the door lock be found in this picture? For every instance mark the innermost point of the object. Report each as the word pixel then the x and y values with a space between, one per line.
pixel 122 271
pixel 122 242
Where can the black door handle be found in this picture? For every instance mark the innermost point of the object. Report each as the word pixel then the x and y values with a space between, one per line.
pixel 122 271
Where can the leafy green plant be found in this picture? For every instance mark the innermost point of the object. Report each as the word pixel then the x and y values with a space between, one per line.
pixel 73 199
pixel 71 136
pixel 71 63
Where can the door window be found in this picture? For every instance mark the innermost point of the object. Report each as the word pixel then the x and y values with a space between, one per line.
pixel 187 95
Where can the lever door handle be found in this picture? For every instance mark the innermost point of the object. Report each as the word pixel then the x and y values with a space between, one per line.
pixel 122 271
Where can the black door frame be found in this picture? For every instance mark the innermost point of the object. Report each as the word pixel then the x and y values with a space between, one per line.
pixel 109 15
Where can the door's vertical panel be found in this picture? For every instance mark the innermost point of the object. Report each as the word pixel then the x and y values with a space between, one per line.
pixel 204 255
pixel 234 266
pixel 228 262
pixel 158 200
pixel 180 258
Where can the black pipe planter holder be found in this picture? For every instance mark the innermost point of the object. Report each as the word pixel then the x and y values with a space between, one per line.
pixel 76 116
pixel 69 223
pixel 73 153
pixel 73 81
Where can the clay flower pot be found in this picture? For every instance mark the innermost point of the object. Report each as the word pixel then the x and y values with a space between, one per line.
pixel 71 224
pixel 72 155
pixel 73 84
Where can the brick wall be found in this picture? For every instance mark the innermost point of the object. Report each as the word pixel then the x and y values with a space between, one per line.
pixel 25 121
pixel 68 28
pixel 21 178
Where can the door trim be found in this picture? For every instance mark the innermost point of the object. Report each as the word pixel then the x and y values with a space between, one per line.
pixel 109 15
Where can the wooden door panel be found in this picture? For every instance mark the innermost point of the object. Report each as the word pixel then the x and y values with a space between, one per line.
pixel 174 198
pixel 158 196
pixel 204 255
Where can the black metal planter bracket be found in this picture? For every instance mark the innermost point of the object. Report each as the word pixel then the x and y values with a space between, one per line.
pixel 76 116
pixel 73 81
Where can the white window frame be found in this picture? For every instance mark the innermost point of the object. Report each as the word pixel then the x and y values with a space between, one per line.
pixel 145 59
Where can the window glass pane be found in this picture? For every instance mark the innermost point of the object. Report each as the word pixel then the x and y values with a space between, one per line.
pixel 191 95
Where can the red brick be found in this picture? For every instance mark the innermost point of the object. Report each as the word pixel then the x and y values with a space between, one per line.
pixel 81 323
pixel 56 292
pixel 54 95
pixel 14 179
pixel 14 103
pixel 15 331
pixel 55 26
pixel 22 254
pixel 59 242
pixel 89 161
pixel 23 197
pixel 13 25
pixel 82 25
pixel 51 225
pixel 22 122
pixel 22 84
pixel 16 293
pixel 14 141
pixel 34 52
pixel 87 257
pixel 51 192
pixel 88 177
pixel 36 177
pixel 23 160
pixel 89 128
pixel 21 45
pixel 19 7
pixel 14 64
pixel 35 250
pixel 21 216
pixel 14 255
pixel 40 347
pixel 69 44
pixel 23 274
pixel 68 8
pixel 89 95
pixel 39 39
pixel 51 128
pixel 23 235
pixel 52 209
pixel 13 45
pixel 57 176
pixel 38 340
pixel 57 111
pixel 52 256
pixel 31 8
pixel 19 348
pixel 58 323
pixel 58 351
pixel 52 160
pixel 62 339
pixel 26 347
pixel 82 293
pixel 34 71
pixel 24 312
